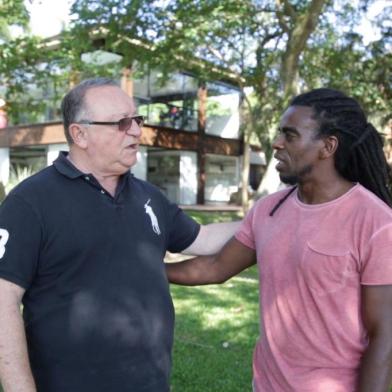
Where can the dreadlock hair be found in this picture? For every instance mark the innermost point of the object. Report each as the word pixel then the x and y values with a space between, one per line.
pixel 359 156
pixel 282 200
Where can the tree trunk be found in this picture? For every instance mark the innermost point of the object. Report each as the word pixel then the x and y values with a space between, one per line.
pixel 299 28
pixel 246 112
pixel 245 175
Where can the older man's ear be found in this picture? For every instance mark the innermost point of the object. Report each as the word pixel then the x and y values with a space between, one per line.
pixel 79 135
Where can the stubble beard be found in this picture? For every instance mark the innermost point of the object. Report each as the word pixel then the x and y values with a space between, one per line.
pixel 296 178
pixel 289 180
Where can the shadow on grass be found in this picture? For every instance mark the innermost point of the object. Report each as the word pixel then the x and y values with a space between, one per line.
pixel 216 330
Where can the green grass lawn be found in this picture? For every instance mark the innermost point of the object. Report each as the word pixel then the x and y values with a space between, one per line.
pixel 216 330
pixel 205 217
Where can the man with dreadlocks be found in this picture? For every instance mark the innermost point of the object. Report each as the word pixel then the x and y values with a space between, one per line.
pixel 323 249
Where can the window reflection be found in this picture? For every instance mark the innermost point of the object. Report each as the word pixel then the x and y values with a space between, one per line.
pixel 172 103
pixel 222 178
pixel 222 110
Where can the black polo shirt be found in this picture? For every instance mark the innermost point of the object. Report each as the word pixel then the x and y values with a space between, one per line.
pixel 97 308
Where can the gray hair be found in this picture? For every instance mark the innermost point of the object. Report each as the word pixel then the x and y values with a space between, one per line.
pixel 72 106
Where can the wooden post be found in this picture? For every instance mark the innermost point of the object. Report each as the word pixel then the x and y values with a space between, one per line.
pixel 201 155
pixel 127 81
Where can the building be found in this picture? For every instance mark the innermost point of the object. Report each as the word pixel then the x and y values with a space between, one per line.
pixel 191 146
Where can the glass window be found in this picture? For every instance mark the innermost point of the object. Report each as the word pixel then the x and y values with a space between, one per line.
pixel 222 178
pixel 171 103
pixel 41 96
pixel 24 162
pixel 163 170
pixel 222 111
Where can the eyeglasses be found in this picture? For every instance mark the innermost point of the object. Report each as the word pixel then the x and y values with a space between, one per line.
pixel 123 124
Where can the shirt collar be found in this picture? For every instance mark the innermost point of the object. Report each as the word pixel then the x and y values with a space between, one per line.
pixel 65 166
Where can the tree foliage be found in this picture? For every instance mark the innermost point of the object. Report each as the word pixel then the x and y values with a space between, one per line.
pixel 12 13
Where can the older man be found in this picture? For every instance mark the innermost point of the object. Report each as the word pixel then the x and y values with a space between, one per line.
pixel 82 246
pixel 323 249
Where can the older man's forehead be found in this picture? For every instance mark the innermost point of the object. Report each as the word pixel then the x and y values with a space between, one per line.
pixel 111 100
pixel 106 92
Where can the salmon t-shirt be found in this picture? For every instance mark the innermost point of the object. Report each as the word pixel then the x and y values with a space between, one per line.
pixel 312 261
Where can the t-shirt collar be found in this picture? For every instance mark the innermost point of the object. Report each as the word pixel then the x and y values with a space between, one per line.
pixel 65 166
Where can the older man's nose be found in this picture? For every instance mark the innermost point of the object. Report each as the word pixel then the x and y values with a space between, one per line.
pixel 135 129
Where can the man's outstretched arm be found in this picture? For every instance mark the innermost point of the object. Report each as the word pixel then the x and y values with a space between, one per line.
pixel 15 372
pixel 211 238
pixel 231 260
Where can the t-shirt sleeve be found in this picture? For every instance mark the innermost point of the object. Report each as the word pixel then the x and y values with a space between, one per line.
pixel 183 230
pixel 376 266
pixel 20 241
pixel 245 231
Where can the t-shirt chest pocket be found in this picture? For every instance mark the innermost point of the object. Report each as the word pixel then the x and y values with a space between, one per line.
pixel 326 269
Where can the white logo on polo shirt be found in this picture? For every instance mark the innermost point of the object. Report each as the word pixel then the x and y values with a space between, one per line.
pixel 4 235
pixel 154 220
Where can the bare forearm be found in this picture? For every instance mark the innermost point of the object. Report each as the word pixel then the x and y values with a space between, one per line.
pixel 218 235
pixel 212 238
pixel 376 367
pixel 231 260
pixel 15 372
pixel 192 272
